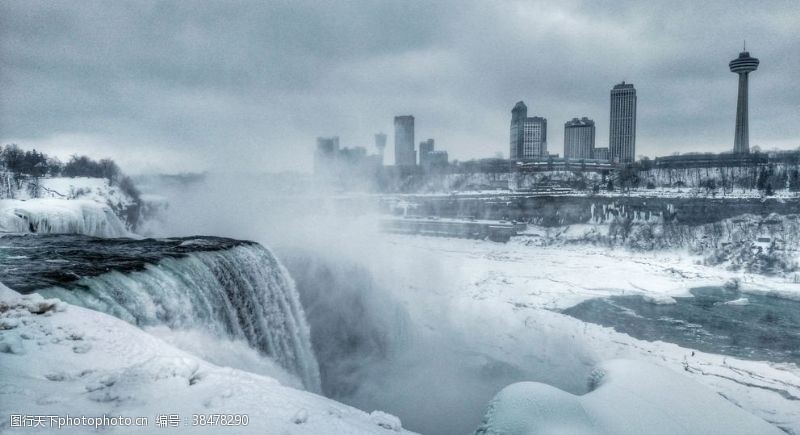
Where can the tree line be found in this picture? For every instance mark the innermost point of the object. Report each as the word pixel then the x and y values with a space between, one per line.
pixel 37 164
pixel 32 163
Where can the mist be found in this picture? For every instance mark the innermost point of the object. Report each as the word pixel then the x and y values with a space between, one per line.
pixel 384 328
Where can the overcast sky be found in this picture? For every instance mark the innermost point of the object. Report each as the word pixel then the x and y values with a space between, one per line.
pixel 185 86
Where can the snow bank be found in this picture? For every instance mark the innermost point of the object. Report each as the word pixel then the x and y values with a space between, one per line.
pixel 630 397
pixel 59 359
pixel 95 189
pixel 51 215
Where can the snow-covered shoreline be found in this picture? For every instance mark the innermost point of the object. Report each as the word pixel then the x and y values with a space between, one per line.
pixel 60 359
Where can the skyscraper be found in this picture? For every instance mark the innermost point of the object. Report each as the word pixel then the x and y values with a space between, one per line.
pixel 579 138
pixel 425 148
pixel 325 154
pixel 622 131
pixel 518 115
pixel 743 65
pixel 404 153
pixel 534 142
pixel 380 144
pixel 528 138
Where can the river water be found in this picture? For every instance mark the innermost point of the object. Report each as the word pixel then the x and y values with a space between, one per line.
pixel 714 319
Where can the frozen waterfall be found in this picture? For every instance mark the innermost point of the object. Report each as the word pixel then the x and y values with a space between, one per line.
pixel 60 216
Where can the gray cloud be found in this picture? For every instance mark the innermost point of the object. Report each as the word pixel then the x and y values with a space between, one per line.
pixel 249 85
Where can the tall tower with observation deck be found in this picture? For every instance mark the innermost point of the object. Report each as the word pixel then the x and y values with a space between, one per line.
pixel 742 65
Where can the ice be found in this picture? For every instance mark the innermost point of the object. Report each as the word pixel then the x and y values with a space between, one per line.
pixel 10 343
pixel 61 216
pixel 630 397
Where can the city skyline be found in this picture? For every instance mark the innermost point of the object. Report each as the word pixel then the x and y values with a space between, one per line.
pixel 75 78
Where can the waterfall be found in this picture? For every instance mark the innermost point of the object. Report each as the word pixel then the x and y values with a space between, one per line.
pixel 241 293
pixel 60 216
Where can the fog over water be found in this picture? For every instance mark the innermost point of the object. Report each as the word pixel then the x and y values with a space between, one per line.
pixel 383 327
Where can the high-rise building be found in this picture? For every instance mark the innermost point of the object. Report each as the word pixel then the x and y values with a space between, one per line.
pixel 528 138
pixel 326 153
pixel 380 145
pixel 622 131
pixel 743 65
pixel 579 138
pixel 404 153
pixel 534 144
pixel 425 148
pixel 518 115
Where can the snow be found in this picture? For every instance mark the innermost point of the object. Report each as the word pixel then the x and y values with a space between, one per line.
pixel 95 189
pixel 386 421
pixel 506 298
pixel 53 215
pixel 60 359
pixel 89 188
pixel 631 397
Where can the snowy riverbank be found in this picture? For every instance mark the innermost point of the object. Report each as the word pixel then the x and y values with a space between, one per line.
pixel 60 359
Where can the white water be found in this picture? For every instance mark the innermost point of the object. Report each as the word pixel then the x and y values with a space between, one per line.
pixel 60 216
pixel 242 293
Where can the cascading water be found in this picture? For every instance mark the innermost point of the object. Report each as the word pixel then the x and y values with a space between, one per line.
pixel 233 289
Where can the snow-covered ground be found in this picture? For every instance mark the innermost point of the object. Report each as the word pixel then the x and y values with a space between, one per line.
pixel 95 189
pixel 503 297
pixel 628 398
pixel 60 216
pixel 59 359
